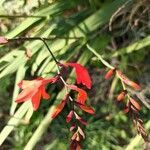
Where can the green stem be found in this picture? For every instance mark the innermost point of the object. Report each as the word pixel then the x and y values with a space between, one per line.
pixel 100 57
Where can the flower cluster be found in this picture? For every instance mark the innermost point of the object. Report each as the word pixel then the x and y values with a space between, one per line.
pixel 132 106
pixel 35 90
pixel 76 97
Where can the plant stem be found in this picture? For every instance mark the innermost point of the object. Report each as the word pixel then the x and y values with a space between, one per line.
pixel 100 57
pixel 50 51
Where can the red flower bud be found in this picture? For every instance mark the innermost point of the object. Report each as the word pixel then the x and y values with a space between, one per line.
pixel 109 74
pixel 69 116
pixel 72 127
pixel 135 104
pixel 121 96
pixel 126 110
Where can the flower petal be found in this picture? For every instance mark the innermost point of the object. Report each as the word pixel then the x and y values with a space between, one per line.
pixel 80 119
pixel 82 75
pixel 45 95
pixel 82 95
pixel 87 109
pixel 26 83
pixel 72 127
pixel 25 95
pixel 127 81
pixel 81 132
pixel 36 100
pixel 69 116
pixel 60 107
pixel 33 90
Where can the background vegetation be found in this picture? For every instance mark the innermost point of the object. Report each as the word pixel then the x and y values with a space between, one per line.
pixel 117 29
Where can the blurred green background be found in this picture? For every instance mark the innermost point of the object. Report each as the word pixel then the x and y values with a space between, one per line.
pixel 117 29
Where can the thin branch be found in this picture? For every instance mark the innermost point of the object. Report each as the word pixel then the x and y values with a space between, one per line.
pixel 50 51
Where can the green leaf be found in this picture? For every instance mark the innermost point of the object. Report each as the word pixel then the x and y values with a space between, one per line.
pixel 19 76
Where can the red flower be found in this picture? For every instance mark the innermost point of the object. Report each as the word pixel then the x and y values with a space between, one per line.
pixel 109 74
pixel 3 40
pixel 82 95
pixel 127 81
pixel 82 75
pixel 34 90
pixel 60 107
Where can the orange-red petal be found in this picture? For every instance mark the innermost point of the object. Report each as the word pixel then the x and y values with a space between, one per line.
pixel 36 100
pixel 82 95
pixel 87 109
pixel 45 95
pixel 25 95
pixel 82 75
pixel 59 107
